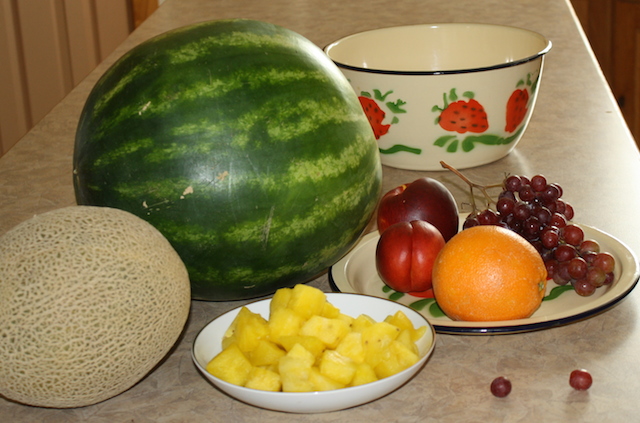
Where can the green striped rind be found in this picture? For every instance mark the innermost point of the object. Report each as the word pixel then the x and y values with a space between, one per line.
pixel 243 144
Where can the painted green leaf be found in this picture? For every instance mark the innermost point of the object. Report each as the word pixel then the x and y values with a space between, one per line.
pixel 435 310
pixel 467 144
pixel 396 296
pixel 557 291
pixel 442 141
pixel 395 107
pixel 484 139
pixel 421 304
pixel 534 85
pixel 511 138
pixel 453 147
pixel 365 94
pixel 379 96
pixel 468 94
pixel 395 120
pixel 399 147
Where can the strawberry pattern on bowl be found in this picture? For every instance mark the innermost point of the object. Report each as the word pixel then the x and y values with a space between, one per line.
pixel 431 98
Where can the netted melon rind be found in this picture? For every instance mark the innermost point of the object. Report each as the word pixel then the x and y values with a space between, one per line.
pixel 91 299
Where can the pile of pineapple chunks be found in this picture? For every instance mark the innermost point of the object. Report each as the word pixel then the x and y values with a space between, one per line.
pixel 310 345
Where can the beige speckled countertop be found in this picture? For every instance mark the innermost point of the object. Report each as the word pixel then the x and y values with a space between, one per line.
pixel 576 137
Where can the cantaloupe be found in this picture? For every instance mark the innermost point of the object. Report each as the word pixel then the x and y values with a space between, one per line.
pixel 91 300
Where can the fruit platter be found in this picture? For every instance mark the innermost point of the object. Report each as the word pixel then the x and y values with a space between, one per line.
pixel 356 272
pixel 567 271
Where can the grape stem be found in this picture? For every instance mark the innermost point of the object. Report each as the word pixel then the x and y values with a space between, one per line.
pixel 483 188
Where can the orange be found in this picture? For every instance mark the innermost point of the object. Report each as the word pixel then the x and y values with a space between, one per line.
pixel 489 273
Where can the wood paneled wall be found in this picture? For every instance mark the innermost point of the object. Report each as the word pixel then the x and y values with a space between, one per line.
pixel 613 30
pixel 46 48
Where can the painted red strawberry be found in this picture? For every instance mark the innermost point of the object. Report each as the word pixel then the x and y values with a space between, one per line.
pixel 375 115
pixel 516 109
pixel 462 115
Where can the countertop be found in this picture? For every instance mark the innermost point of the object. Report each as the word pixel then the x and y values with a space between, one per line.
pixel 576 137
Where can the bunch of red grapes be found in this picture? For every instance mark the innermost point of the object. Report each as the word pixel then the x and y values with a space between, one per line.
pixel 534 209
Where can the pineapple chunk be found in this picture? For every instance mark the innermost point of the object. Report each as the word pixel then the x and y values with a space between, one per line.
pixel 321 382
pixel 230 365
pixel 280 300
pixel 351 346
pixel 329 331
pixel 295 370
pixel 405 338
pixel 397 359
pixel 337 367
pixel 376 339
pixel 248 329
pixel 266 353
pixel 263 379
pixel 329 310
pixel 418 333
pixel 295 374
pixel 364 374
pixel 228 340
pixel 306 300
pixel 284 322
pixel 406 356
pixel 310 343
pixel 361 322
pixel 401 320
pixel 347 319
pixel 299 352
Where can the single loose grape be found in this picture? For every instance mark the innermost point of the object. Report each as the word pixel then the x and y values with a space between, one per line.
pixel 573 234
pixel 609 279
pixel 526 193
pixel 578 268
pixel 596 276
pixel 605 261
pixel 583 287
pixel 512 183
pixel 568 211
pixel 470 222
pixel 561 274
pixel 550 236
pixel 564 252
pixel 558 220
pixel 543 214
pixel 505 205
pixel 589 245
pixel 551 194
pixel 488 217
pixel 539 183
pixel 501 387
pixel 521 210
pixel 580 379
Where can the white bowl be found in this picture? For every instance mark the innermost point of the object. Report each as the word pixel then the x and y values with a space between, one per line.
pixel 410 74
pixel 208 344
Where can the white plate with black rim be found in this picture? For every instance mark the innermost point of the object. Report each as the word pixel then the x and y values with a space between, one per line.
pixel 356 272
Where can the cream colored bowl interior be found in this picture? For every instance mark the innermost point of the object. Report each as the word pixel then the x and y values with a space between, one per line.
pixel 437 47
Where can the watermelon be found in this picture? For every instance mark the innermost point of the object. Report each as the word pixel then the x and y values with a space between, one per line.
pixel 243 144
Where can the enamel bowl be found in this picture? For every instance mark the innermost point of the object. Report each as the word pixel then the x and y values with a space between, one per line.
pixel 462 93
pixel 207 345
